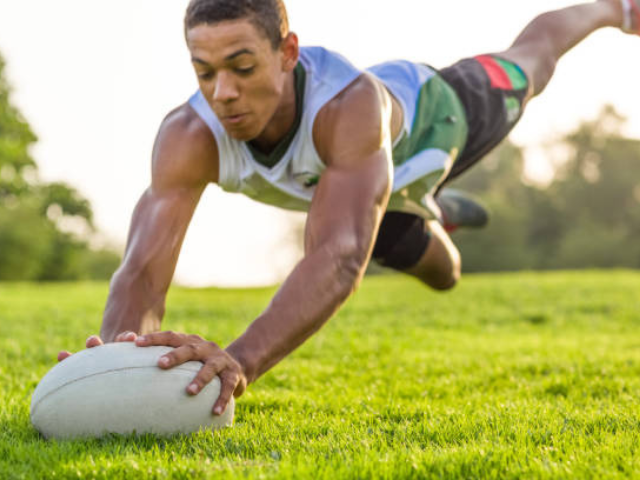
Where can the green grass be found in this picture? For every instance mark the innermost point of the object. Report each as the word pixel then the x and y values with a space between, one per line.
pixel 509 376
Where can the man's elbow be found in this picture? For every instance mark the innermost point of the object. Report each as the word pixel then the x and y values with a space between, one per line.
pixel 351 265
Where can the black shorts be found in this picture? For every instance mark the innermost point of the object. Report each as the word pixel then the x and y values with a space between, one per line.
pixel 494 93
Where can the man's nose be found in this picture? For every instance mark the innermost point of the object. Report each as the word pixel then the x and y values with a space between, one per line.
pixel 225 88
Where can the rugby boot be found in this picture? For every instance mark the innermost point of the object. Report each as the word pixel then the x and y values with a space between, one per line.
pixel 460 210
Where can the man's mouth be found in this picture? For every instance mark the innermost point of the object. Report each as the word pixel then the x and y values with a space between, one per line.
pixel 234 119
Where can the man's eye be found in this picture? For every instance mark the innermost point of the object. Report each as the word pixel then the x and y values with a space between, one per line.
pixel 205 76
pixel 245 71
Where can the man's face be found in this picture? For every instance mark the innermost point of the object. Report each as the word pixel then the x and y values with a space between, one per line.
pixel 240 74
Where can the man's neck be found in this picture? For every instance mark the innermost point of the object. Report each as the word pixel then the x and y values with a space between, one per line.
pixel 281 122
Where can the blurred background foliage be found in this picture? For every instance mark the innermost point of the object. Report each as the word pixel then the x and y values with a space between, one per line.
pixel 588 216
pixel 45 228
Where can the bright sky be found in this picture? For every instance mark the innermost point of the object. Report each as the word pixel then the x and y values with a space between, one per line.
pixel 95 79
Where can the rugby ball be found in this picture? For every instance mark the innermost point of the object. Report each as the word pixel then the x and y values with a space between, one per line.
pixel 118 388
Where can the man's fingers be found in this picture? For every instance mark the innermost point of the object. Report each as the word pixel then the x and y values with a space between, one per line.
pixel 63 355
pixel 167 339
pixel 228 386
pixel 215 361
pixel 94 341
pixel 126 337
pixel 204 376
pixel 182 354
pixel 240 387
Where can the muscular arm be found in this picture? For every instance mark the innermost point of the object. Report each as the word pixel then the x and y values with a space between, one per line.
pixel 347 208
pixel 184 161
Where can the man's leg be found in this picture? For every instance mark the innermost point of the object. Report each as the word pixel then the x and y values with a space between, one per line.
pixel 536 51
pixel 409 244
pixel 548 37
pixel 424 250
pixel 440 266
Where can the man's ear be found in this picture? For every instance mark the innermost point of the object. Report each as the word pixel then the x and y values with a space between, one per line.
pixel 290 52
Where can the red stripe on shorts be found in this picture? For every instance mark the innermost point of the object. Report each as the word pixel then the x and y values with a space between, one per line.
pixel 497 75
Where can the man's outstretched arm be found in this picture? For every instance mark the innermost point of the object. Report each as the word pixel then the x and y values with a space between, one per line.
pixel 348 205
pixel 184 162
pixel 347 208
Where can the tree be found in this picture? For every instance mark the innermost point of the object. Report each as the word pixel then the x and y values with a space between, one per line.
pixel 33 242
pixel 589 215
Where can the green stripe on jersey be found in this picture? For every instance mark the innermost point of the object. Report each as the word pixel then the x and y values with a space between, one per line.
pixel 271 159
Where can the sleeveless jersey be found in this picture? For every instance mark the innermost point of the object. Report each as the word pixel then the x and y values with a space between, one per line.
pixel 433 134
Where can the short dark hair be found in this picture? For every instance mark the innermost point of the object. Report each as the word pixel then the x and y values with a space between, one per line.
pixel 269 16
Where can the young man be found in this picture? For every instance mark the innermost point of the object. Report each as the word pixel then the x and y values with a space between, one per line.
pixel 365 153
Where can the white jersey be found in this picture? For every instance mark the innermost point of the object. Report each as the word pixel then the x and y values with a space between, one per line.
pixel 291 182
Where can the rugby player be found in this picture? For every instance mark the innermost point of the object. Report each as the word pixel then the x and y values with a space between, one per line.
pixel 365 153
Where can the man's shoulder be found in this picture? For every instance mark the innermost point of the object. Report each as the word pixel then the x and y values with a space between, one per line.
pixel 364 105
pixel 184 125
pixel 364 93
pixel 185 149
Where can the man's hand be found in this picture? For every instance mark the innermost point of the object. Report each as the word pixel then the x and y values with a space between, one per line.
pixel 216 362
pixel 96 341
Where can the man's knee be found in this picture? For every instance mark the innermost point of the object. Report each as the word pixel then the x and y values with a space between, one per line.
pixel 537 51
pixel 405 244
pixel 537 59
pixel 402 241
pixel 440 266
pixel 444 280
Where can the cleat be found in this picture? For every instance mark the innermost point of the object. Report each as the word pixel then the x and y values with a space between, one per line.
pixel 460 210
pixel 631 20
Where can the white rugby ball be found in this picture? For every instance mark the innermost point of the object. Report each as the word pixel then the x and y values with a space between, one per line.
pixel 118 388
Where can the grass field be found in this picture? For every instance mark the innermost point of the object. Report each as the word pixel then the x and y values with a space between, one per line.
pixel 509 376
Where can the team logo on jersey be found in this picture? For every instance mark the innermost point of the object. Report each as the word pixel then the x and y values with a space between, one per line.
pixel 307 179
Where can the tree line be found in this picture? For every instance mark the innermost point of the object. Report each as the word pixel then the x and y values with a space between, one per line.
pixel 45 228
pixel 587 217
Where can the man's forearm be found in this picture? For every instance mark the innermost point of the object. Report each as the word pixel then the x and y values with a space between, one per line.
pixel 132 306
pixel 313 292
